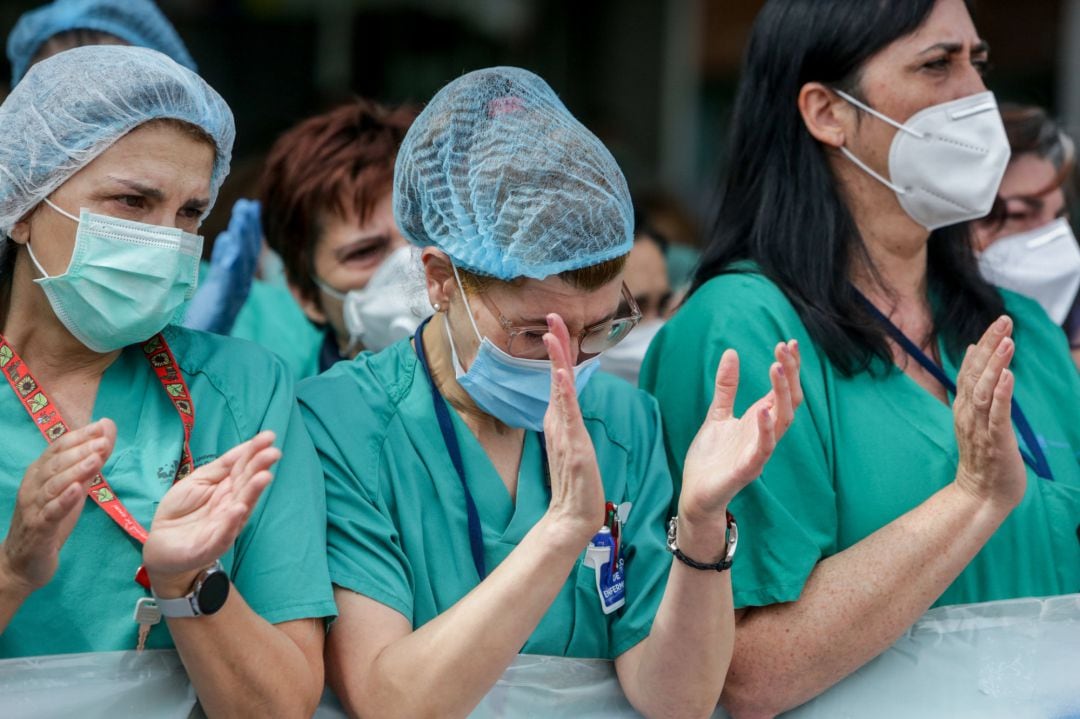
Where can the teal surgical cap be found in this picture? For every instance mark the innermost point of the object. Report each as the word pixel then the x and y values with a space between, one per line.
pixel 497 173
pixel 136 22
pixel 73 106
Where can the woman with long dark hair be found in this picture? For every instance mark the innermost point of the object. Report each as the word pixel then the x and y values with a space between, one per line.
pixel 864 140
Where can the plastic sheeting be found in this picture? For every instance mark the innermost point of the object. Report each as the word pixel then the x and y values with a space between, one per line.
pixel 106 685
pixel 1018 659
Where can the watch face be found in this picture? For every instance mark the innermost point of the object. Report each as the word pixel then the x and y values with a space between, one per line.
pixel 213 592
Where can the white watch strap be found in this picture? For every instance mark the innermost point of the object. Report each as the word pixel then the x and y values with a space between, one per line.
pixel 184 606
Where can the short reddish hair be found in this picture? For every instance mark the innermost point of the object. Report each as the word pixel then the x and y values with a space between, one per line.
pixel 336 162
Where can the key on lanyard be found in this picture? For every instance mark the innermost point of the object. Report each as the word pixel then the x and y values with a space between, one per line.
pixel 147 614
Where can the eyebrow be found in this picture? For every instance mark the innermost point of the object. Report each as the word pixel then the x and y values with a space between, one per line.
pixel 542 321
pixel 954 47
pixel 154 193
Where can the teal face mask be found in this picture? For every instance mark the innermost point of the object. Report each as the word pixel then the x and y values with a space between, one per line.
pixel 125 282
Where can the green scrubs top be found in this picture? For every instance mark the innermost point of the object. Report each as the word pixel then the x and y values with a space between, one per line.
pixel 398 531
pixel 864 450
pixel 278 563
pixel 271 318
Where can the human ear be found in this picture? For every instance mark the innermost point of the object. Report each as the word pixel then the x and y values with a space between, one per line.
pixel 439 277
pixel 828 118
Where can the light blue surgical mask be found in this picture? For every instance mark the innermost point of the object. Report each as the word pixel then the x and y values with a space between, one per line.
pixel 514 390
pixel 125 282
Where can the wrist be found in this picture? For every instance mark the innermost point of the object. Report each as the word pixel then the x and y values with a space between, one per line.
pixel 565 535
pixel 13 583
pixel 703 539
pixel 975 490
pixel 170 585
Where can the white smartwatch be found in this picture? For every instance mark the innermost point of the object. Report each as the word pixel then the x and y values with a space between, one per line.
pixel 206 597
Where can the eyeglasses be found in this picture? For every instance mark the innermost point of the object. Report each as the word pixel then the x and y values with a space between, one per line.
pixel 527 341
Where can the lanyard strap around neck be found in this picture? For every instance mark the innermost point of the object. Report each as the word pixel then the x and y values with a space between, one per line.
pixel 1036 459
pixel 446 428
pixel 453 448
pixel 46 416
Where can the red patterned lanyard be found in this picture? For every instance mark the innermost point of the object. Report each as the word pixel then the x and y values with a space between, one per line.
pixel 48 420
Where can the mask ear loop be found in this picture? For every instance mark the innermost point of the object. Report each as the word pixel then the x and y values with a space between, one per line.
pixel 886 119
pixel 465 299
pixel 66 214
pixel 30 250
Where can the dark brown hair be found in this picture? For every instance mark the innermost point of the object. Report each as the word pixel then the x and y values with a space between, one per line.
pixel 588 278
pixel 339 161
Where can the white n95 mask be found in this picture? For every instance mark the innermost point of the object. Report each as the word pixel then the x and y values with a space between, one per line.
pixel 125 282
pixel 392 304
pixel 1043 264
pixel 947 161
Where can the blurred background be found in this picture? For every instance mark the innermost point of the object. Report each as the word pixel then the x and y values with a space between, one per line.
pixel 653 78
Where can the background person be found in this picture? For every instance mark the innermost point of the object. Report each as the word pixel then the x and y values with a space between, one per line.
pixel 110 158
pixel 326 202
pixel 1027 244
pixel 646 275
pixel 893 492
pixel 64 24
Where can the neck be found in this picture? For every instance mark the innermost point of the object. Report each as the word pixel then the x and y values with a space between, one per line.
pixel 441 365
pixel 43 342
pixel 893 272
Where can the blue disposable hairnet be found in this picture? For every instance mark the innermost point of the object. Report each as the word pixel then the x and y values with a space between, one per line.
pixel 499 175
pixel 136 22
pixel 73 106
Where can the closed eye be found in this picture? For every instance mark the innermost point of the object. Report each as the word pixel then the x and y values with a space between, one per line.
pixel 130 201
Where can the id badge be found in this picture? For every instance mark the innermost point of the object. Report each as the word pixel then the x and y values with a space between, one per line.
pixel 609 571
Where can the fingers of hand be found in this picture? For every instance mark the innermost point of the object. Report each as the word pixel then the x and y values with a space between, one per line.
pixel 727 385
pixel 783 411
pixel 76 438
pixel 766 442
pixel 560 353
pixel 249 494
pixel 262 461
pixel 982 394
pixel 81 469
pixel 1001 408
pixel 251 460
pixel 93 446
pixel 976 359
pixel 792 367
pixel 226 461
pixel 569 408
pixel 58 507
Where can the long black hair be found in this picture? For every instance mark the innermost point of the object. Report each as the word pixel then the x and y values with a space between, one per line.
pixel 779 204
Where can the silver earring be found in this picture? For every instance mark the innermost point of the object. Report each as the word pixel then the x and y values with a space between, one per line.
pixel 437 307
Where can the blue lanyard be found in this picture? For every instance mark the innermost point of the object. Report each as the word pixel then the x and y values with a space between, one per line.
pixel 1036 459
pixel 446 428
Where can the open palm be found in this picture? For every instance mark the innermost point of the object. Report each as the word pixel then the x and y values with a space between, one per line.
pixel 200 517
pixel 729 452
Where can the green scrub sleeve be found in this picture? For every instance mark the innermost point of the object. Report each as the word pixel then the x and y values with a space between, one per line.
pixel 280 556
pixel 787 518
pixel 363 545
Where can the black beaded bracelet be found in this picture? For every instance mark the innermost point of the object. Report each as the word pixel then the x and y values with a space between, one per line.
pixel 729 554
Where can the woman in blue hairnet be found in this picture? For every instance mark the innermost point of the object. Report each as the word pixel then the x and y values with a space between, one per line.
pixel 472 519
pixel 109 159
pixel 61 25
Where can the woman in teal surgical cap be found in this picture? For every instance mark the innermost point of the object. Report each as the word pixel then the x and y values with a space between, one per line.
pixel 109 159
pixel 470 519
